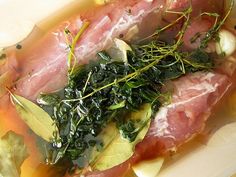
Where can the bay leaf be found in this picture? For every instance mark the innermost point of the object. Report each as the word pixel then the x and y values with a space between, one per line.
pixel 36 118
pixel 13 153
pixel 117 149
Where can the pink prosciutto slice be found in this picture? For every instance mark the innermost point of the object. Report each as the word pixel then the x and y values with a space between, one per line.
pixel 44 67
pixel 192 101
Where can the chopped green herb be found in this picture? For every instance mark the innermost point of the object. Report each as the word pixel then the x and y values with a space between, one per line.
pixel 48 99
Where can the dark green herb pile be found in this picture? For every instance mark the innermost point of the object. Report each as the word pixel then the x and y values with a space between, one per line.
pixel 107 90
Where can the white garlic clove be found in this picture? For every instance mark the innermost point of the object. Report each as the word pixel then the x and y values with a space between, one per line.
pixel 227 43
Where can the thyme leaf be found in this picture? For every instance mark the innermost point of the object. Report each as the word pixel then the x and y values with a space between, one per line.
pixel 212 34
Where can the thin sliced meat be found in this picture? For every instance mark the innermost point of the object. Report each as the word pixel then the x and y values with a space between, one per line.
pixel 193 99
pixel 199 6
pixel 46 66
pixel 43 67
pixel 192 102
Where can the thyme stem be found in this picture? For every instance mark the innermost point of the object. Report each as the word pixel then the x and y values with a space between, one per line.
pixel 73 45
pixel 183 15
pixel 212 33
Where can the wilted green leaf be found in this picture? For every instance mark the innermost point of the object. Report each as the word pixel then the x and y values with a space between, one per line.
pixel 36 118
pixel 117 149
pixel 13 152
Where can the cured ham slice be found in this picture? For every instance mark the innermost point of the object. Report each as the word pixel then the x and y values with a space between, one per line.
pixel 49 57
pixel 192 101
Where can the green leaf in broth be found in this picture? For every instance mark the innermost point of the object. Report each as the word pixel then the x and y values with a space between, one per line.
pixel 36 118
pixel 13 153
pixel 117 149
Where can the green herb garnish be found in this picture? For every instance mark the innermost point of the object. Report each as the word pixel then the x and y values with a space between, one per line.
pixel 212 34
pixel 107 91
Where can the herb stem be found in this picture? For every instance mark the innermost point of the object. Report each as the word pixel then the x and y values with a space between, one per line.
pixel 86 84
pixel 212 33
pixel 183 14
pixel 73 45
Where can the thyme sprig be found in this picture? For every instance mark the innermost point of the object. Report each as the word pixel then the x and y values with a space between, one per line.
pixel 171 50
pixel 72 59
pixel 183 15
pixel 212 34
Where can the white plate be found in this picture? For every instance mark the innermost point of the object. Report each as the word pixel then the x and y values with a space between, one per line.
pixel 18 17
